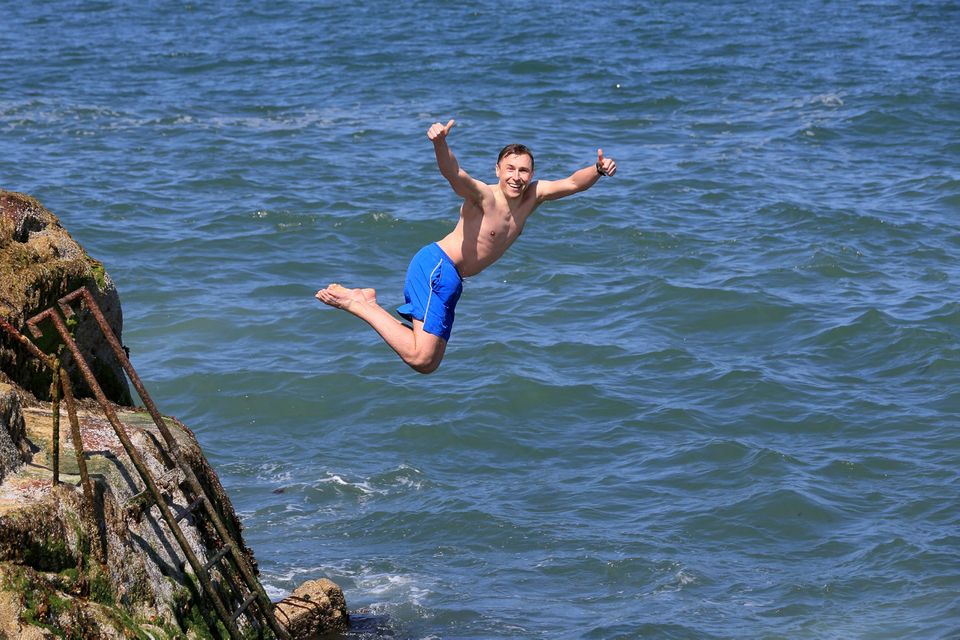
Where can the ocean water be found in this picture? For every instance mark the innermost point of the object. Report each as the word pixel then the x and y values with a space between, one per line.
pixel 715 396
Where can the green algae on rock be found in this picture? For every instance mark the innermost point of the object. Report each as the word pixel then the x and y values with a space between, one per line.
pixel 40 263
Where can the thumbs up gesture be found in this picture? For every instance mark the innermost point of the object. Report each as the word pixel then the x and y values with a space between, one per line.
pixel 605 166
pixel 439 131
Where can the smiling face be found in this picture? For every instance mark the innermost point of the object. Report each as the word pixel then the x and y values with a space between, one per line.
pixel 514 171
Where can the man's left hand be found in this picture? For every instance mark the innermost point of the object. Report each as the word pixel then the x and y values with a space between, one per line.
pixel 605 166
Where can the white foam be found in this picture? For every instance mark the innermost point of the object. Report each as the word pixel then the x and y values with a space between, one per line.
pixel 385 590
pixel 392 589
pixel 829 100
pixel 363 487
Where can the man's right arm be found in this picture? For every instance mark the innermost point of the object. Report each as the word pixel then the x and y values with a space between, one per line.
pixel 463 185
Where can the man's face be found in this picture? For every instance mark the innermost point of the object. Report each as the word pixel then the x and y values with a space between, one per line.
pixel 514 172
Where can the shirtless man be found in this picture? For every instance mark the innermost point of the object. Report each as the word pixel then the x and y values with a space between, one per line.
pixel 491 218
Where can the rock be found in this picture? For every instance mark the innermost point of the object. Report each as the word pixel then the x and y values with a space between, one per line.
pixel 101 570
pixel 14 446
pixel 102 563
pixel 314 608
pixel 39 264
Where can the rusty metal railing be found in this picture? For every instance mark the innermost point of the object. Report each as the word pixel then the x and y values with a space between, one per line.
pixel 228 546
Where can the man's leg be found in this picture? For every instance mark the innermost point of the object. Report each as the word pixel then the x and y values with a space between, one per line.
pixel 421 350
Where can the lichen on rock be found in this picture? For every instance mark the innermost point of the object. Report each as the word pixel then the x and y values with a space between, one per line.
pixel 40 263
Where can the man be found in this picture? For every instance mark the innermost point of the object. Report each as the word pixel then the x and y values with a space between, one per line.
pixel 491 218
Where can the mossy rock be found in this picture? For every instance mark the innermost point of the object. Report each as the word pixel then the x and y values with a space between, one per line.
pixel 39 264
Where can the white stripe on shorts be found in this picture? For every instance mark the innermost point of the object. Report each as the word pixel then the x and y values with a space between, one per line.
pixel 430 297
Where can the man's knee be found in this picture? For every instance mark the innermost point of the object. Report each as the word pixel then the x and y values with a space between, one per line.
pixel 428 350
pixel 427 357
pixel 425 362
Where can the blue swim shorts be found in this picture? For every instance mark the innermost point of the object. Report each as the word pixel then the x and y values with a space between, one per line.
pixel 431 291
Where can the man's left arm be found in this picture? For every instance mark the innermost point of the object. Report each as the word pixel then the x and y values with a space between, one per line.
pixel 580 180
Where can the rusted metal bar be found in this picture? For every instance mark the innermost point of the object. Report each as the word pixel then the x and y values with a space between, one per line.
pixel 76 437
pixel 142 470
pixel 216 558
pixel 243 607
pixel 236 554
pixel 189 509
pixel 55 437
pixel 81 456
pixel 25 341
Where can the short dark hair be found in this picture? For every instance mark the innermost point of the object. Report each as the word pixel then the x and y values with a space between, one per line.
pixel 515 150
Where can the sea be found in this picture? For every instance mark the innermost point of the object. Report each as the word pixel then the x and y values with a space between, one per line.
pixel 715 396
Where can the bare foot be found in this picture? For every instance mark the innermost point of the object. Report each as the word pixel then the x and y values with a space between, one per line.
pixel 347 299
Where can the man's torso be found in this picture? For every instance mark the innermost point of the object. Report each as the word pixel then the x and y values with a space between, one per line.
pixel 486 229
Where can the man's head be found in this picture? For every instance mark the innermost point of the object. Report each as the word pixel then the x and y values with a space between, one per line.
pixel 515 150
pixel 514 169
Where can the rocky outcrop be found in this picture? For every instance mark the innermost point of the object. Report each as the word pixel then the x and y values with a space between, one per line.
pixel 39 264
pixel 111 569
pixel 314 608
pixel 103 562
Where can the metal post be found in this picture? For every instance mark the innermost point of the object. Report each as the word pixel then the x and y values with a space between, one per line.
pixel 80 454
pixel 55 437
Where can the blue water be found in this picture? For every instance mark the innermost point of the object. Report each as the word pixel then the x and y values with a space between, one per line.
pixel 716 396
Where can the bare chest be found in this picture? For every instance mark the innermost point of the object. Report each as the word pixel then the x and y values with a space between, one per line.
pixel 500 228
pixel 495 226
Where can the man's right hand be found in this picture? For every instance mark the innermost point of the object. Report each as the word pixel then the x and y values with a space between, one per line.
pixel 438 132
